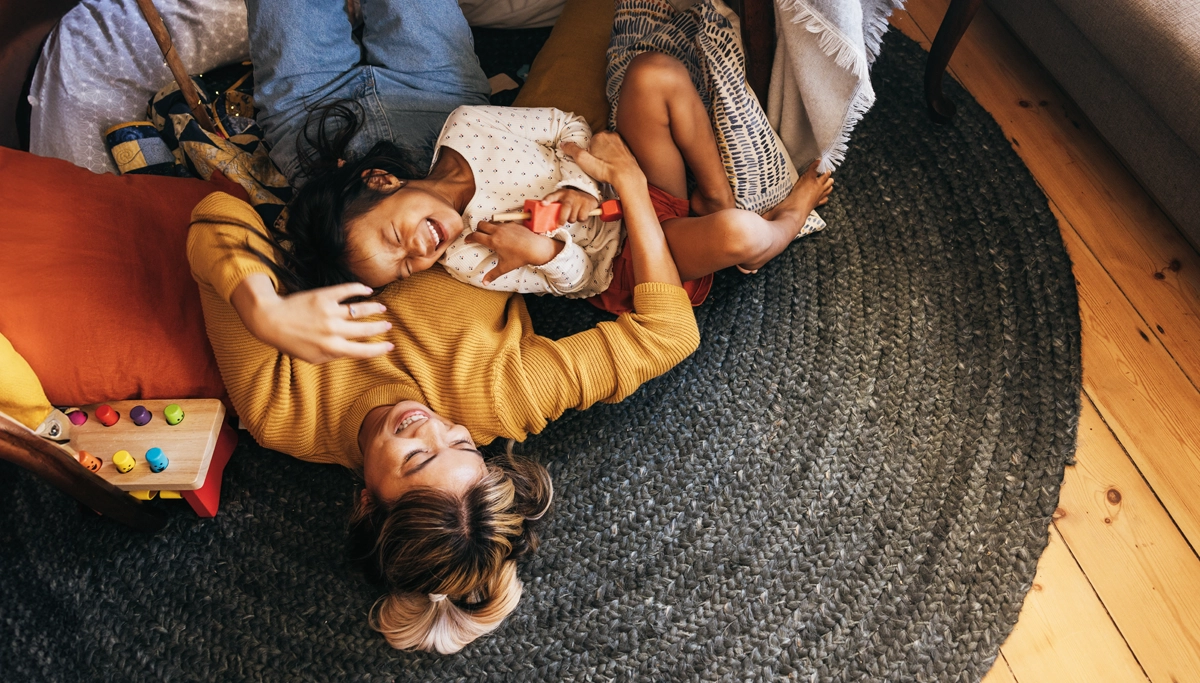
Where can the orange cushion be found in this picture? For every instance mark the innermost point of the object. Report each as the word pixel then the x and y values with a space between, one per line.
pixel 95 289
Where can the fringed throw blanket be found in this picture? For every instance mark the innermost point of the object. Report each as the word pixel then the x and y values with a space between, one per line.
pixel 820 80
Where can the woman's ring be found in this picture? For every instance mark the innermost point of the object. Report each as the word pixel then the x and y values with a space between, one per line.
pixel 350 307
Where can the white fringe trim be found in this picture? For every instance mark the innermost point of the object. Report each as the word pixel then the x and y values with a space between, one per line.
pixel 831 40
pixel 847 55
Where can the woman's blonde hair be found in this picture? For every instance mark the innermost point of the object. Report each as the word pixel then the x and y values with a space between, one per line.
pixel 448 562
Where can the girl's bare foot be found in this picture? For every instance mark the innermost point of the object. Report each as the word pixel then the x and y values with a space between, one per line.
pixel 703 203
pixel 809 192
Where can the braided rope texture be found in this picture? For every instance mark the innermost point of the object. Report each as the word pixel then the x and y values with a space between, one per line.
pixel 851 480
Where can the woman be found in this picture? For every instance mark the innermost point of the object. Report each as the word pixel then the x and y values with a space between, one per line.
pixel 438 525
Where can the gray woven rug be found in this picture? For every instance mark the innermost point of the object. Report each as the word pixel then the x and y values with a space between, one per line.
pixel 851 480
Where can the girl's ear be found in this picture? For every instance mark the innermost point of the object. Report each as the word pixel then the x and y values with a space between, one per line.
pixel 380 180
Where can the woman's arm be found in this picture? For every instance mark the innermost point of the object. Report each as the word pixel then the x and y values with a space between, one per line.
pixel 610 361
pixel 313 326
pixel 610 161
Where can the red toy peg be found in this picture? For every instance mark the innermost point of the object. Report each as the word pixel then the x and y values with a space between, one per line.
pixel 610 210
pixel 543 218
pixel 107 416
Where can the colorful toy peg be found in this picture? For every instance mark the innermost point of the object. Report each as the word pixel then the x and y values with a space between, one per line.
pixel 123 461
pixel 156 460
pixel 76 416
pixel 144 495
pixel 165 495
pixel 89 461
pixel 107 416
pixel 610 210
pixel 139 415
pixel 173 414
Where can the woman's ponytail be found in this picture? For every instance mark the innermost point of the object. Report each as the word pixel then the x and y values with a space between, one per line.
pixel 435 623
pixel 448 561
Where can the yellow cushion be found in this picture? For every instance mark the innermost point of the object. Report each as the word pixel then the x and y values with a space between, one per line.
pixel 21 395
pixel 568 72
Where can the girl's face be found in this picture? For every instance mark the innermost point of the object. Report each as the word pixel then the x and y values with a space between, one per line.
pixel 405 233
pixel 408 446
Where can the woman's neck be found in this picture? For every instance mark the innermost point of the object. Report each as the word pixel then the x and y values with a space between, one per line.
pixel 452 178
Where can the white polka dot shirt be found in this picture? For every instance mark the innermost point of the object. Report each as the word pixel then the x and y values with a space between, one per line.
pixel 514 154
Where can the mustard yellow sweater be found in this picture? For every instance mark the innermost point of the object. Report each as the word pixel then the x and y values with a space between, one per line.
pixel 467 353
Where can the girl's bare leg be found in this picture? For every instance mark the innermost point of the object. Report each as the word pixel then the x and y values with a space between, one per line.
pixel 665 125
pixel 734 237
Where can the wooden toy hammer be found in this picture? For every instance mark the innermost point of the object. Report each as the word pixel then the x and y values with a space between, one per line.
pixel 543 218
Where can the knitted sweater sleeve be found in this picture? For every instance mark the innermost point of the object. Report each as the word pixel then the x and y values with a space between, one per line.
pixel 275 397
pixel 608 362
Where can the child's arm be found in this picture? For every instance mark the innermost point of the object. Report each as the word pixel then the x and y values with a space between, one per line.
pixel 313 326
pixel 563 266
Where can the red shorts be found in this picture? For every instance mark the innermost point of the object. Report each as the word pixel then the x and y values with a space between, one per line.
pixel 618 298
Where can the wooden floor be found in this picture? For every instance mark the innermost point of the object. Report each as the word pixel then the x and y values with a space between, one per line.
pixel 1117 592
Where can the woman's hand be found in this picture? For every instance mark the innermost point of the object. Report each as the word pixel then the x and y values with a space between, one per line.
pixel 314 326
pixel 607 160
pixel 576 204
pixel 515 246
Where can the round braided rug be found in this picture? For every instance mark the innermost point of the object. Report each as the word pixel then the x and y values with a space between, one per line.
pixel 851 480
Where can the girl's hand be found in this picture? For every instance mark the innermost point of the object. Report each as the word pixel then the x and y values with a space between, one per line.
pixel 576 204
pixel 515 246
pixel 314 326
pixel 607 159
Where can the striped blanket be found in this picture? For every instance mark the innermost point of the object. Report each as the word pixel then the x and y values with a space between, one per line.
pixel 706 39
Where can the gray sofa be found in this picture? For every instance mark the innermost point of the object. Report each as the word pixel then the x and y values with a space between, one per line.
pixel 1133 66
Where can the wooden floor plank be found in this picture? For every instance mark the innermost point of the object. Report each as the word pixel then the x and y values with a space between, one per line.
pixel 1145 253
pixel 1143 570
pixel 1000 672
pixel 1064 635
pixel 901 20
pixel 1139 390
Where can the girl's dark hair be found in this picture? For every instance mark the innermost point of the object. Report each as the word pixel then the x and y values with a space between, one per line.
pixel 448 561
pixel 309 242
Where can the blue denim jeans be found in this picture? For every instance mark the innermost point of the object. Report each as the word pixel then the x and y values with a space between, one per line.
pixel 415 65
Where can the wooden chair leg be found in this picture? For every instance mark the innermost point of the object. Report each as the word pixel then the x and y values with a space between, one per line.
pixel 954 25
pixel 53 464
pixel 758 39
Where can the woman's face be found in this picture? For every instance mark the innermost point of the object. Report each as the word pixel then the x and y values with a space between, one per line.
pixel 409 446
pixel 405 233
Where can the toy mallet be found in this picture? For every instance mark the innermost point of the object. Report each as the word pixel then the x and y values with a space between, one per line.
pixel 543 218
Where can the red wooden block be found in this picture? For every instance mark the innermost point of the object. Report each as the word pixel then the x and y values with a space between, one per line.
pixel 610 210
pixel 543 218
pixel 207 498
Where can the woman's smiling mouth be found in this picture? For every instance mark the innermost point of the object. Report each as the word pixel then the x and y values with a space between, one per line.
pixel 409 418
